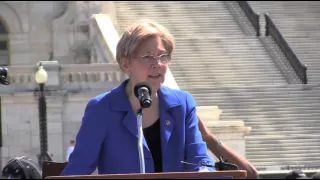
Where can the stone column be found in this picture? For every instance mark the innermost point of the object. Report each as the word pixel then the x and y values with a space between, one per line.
pixel 232 133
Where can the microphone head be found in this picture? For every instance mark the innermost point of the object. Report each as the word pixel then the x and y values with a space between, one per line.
pixel 143 92
pixel 146 103
pixel 3 72
pixel 140 85
pixel 21 168
pixel 3 76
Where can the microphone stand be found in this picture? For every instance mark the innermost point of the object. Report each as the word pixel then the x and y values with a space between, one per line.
pixel 140 145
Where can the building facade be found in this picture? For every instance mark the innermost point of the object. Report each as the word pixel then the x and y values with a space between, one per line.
pixel 56 32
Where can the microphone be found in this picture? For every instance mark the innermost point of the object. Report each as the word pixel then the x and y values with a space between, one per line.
pixel 143 91
pixel 3 76
pixel 21 168
pixel 206 165
pixel 220 166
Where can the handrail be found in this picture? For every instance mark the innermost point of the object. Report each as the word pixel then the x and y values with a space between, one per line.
pixel 252 16
pixel 299 68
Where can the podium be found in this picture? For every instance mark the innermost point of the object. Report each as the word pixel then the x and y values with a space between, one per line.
pixel 237 174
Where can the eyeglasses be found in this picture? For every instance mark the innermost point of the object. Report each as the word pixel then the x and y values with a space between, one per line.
pixel 149 59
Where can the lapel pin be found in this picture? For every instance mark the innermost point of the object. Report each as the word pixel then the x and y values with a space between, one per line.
pixel 168 122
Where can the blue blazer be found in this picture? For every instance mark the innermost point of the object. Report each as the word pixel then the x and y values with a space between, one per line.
pixel 108 135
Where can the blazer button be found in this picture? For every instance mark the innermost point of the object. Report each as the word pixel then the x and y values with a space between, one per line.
pixel 168 122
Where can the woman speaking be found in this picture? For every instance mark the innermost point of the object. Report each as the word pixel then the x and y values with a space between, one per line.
pixel 108 136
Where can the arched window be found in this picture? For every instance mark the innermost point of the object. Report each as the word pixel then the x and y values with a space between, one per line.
pixel 4 43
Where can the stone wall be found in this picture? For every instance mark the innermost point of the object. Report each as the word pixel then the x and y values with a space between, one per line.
pixel 20 123
pixel 30 29
pixel 39 28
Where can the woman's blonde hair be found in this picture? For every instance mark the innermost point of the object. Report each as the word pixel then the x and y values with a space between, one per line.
pixel 136 33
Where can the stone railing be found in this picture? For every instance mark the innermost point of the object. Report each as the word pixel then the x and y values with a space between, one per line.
pixel 21 79
pixel 90 76
pixel 73 77
pixel 104 38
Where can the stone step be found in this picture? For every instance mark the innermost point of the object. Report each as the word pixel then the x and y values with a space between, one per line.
pixel 263 88
pixel 285 160
pixel 211 50
pixel 254 120
pixel 279 122
pixel 260 102
pixel 273 162
pixel 214 60
pixel 238 93
pixel 278 116
pixel 259 148
pixel 186 85
pixel 218 65
pixel 303 154
pixel 229 81
pixel 283 123
pixel 276 131
pixel 216 57
pixel 265 113
pixel 264 102
pixel 230 109
pixel 285 154
pixel 264 116
pixel 247 77
pixel 236 82
pixel 211 71
pixel 260 130
pixel 284 138
pixel 277 94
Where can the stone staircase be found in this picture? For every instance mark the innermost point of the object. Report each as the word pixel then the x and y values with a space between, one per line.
pixel 182 18
pixel 297 18
pixel 299 23
pixel 285 120
pixel 220 65
pixel 210 46
pixel 218 61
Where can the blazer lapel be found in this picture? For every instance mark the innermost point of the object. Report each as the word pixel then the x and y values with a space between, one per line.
pixel 130 121
pixel 167 102
pixel 121 103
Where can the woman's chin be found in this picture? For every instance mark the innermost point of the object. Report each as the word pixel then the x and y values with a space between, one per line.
pixel 155 83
